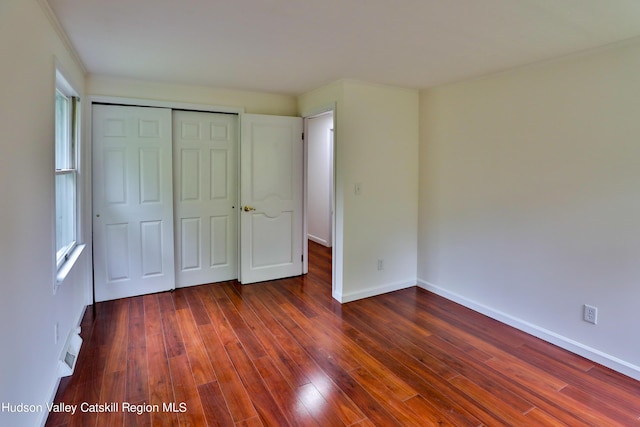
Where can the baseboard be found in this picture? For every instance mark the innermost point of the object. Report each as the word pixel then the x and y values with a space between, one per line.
pixel 318 240
pixel 56 383
pixel 590 353
pixel 378 290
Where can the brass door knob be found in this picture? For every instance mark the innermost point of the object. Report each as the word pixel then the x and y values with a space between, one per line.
pixel 248 209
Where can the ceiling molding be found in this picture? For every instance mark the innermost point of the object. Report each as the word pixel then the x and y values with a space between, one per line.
pixel 53 19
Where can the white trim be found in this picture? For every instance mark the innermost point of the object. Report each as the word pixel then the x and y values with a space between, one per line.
pixel 62 82
pixel 318 240
pixel 378 290
pixel 337 240
pixel 85 174
pixel 327 108
pixel 67 88
pixel 55 23
pixel 164 104
pixel 67 265
pixel 583 350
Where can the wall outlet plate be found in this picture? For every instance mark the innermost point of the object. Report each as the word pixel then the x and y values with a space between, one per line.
pixel 590 314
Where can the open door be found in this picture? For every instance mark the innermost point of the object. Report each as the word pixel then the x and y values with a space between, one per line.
pixel 271 195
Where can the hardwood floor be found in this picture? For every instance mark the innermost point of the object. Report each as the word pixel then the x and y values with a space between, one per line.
pixel 285 353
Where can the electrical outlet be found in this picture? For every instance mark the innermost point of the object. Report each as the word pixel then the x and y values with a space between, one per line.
pixel 56 333
pixel 357 189
pixel 590 314
pixel 380 264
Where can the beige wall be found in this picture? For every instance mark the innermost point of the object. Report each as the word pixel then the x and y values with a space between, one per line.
pixel 28 307
pixel 252 102
pixel 530 199
pixel 376 146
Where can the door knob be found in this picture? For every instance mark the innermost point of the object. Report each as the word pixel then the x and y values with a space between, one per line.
pixel 248 209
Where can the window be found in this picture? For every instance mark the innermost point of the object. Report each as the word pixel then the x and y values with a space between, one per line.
pixel 66 122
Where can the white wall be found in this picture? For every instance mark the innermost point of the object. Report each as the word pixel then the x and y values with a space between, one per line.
pixel 376 146
pixel 252 102
pixel 319 141
pixel 530 199
pixel 28 307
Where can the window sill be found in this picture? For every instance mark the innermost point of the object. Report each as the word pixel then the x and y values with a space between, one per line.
pixel 66 268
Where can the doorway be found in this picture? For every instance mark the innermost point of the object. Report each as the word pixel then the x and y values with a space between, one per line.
pixel 319 192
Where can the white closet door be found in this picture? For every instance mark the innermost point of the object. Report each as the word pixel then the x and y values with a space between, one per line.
pixel 132 201
pixel 205 185
pixel 271 163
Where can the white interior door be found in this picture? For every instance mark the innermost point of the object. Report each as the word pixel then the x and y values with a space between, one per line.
pixel 205 186
pixel 271 181
pixel 132 201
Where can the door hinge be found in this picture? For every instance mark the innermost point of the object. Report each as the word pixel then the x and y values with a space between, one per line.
pixel 303 136
pixel 302 258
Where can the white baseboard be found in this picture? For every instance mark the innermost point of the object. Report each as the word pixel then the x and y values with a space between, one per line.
pixel 590 353
pixel 378 290
pixel 318 240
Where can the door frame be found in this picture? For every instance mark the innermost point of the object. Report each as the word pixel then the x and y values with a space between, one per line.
pixel 87 151
pixel 336 237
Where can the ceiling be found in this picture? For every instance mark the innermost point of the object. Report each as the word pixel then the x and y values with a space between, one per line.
pixel 293 46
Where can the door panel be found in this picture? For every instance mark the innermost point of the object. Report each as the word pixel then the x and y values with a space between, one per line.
pixel 271 194
pixel 133 201
pixel 151 240
pixel 220 250
pixel 205 146
pixel 190 255
pixel 150 175
pixel 117 251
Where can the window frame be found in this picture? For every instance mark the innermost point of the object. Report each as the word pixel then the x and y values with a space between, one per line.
pixel 66 167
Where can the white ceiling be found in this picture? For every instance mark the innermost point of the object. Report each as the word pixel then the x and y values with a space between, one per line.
pixel 292 46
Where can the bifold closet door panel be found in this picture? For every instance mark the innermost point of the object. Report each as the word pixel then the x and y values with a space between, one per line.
pixel 132 201
pixel 205 185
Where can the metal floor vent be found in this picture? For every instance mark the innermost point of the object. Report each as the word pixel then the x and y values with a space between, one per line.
pixel 69 357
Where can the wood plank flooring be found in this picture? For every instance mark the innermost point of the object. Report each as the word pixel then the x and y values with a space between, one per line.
pixel 285 353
